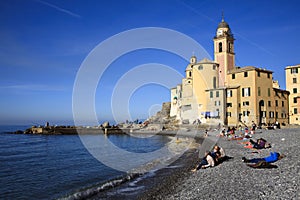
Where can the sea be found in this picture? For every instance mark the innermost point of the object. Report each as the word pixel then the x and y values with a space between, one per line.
pixel 61 167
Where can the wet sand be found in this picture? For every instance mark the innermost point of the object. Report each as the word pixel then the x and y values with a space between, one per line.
pixel 233 179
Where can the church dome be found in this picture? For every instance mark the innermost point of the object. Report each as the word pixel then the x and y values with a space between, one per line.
pixel 223 24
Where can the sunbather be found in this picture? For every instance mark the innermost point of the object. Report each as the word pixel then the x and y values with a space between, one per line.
pixel 274 156
pixel 206 162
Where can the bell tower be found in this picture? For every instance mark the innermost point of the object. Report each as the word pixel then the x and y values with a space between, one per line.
pixel 224 51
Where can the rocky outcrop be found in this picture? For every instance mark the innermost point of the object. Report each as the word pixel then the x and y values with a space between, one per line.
pixel 163 118
pixel 163 115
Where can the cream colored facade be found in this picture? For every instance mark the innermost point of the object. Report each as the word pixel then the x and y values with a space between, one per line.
pixel 219 92
pixel 292 77
pixel 190 100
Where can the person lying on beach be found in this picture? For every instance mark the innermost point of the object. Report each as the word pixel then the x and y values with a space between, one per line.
pixel 273 157
pixel 206 162
pixel 259 144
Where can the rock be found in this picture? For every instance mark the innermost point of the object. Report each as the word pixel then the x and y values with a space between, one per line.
pixel 19 132
pixel 105 125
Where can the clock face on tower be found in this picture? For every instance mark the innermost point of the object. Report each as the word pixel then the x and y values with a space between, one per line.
pixel 219 32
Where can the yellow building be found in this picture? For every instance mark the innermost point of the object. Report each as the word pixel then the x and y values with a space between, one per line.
pixel 251 96
pixel 292 77
pixel 219 92
pixel 190 101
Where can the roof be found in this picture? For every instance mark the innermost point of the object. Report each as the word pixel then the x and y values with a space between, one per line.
pixel 248 68
pixel 292 66
pixel 281 90
pixel 206 61
pixel 223 24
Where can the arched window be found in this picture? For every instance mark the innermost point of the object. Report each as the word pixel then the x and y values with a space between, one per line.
pixel 190 74
pixel 229 47
pixel 220 47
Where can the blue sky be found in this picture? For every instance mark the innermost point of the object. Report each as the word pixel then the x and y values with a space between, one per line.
pixel 43 44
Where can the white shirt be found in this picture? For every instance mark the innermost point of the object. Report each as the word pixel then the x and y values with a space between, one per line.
pixel 210 160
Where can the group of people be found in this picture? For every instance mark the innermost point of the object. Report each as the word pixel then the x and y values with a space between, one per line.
pixel 216 156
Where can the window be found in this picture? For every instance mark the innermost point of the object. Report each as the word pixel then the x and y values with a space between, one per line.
pixel 217 103
pixel 245 74
pixel 215 82
pixel 229 93
pixel 258 91
pixel 246 113
pixel 295 111
pixel 217 93
pixel 228 114
pixel 269 92
pixel 271 114
pixel 276 102
pixel 230 46
pixel 282 115
pixel 200 67
pixel 268 75
pixel 214 67
pixel 220 47
pixel 294 80
pixel 190 74
pixel 294 71
pixel 269 103
pixel 246 103
pixel 258 74
pixel 282 103
pixel 294 90
pixel 276 115
pixel 245 92
pixel 218 112
pixel 233 76
pixel 211 94
pixel 229 104
pixel 295 100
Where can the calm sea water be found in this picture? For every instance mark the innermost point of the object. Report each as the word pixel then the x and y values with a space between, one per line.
pixel 50 167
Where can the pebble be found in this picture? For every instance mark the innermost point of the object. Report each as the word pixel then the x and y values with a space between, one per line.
pixel 233 179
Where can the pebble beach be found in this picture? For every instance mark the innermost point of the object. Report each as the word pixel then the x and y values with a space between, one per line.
pixel 233 179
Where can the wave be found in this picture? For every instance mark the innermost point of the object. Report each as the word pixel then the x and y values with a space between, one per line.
pixel 134 176
pixel 96 189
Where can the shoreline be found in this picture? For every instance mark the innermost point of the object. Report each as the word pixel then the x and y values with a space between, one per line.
pixel 233 179
pixel 148 181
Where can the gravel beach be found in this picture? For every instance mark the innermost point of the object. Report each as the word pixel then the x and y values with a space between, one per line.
pixel 233 179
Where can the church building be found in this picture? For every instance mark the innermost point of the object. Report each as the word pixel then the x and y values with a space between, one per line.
pixel 217 91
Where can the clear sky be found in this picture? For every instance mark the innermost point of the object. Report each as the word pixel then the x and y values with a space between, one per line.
pixel 44 42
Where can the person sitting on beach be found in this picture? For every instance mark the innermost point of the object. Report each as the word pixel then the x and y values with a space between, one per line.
pixel 222 133
pixel 218 154
pixel 206 162
pixel 274 156
pixel 246 130
pixel 206 134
